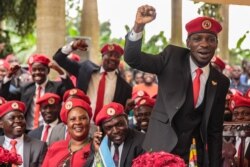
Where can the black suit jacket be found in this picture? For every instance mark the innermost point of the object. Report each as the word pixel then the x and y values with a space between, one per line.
pixel 173 71
pixel 27 92
pixel 83 71
pixel 131 149
pixel 33 151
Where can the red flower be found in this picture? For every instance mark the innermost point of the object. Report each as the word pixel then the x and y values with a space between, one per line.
pixel 7 157
pixel 158 159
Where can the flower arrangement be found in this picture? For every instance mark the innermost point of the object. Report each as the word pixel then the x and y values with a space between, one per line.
pixel 8 158
pixel 158 159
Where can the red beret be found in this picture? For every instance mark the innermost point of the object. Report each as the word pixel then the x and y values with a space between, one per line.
pixel 112 48
pixel 239 101
pixel 145 101
pixel 203 24
pixel 76 93
pixel 218 61
pixel 72 103
pixel 74 57
pixel 136 95
pixel 49 98
pixel 11 106
pixel 2 100
pixel 109 111
pixel 39 58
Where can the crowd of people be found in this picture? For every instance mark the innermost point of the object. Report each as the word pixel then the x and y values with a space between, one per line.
pixel 163 102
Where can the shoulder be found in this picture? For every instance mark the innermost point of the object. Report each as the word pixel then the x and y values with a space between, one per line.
pixel 138 136
pixel 34 142
pixel 176 50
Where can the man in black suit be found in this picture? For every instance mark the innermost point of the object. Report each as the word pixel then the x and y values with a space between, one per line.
pixel 12 120
pixel 187 106
pixel 114 123
pixel 89 74
pixel 40 66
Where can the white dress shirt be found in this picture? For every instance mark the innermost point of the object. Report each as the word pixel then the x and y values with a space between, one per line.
pixel 19 146
pixel 52 125
pixel 203 79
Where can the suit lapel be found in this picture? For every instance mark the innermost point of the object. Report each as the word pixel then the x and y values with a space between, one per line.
pixel 210 96
pixel 126 147
pixel 26 151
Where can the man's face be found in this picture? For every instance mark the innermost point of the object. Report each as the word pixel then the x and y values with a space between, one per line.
pixel 78 123
pixel 39 73
pixel 142 115
pixel 236 72
pixel 13 61
pixel 148 78
pixel 111 61
pixel 116 129
pixel 13 124
pixel 50 112
pixel 241 114
pixel 138 78
pixel 202 47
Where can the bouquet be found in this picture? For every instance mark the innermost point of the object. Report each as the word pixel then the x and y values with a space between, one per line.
pixel 8 158
pixel 158 159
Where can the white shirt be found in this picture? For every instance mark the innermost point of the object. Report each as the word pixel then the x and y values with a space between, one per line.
pixel 203 79
pixel 237 145
pixel 112 151
pixel 52 125
pixel 19 146
pixel 110 86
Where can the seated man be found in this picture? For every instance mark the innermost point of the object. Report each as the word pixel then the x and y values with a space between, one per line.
pixel 31 150
pixel 124 143
pixel 50 106
pixel 143 112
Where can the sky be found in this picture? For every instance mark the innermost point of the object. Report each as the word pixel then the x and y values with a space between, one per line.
pixel 122 12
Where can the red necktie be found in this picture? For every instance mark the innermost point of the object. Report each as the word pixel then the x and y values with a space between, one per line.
pixel 196 85
pixel 13 149
pixel 116 155
pixel 46 133
pixel 37 108
pixel 100 94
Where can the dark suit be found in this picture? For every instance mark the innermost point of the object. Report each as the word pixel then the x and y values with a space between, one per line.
pixel 33 151
pixel 131 149
pixel 172 67
pixel 27 92
pixel 83 71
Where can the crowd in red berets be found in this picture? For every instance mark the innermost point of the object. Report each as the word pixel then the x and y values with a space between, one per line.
pixel 155 103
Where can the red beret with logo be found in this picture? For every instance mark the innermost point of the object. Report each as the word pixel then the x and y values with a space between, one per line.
pixel 76 93
pixel 108 112
pixel 72 103
pixel 136 95
pixel 238 101
pixel 145 101
pixel 5 64
pixel 218 61
pixel 2 100
pixel 203 24
pixel 112 48
pixel 39 58
pixel 11 106
pixel 49 99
